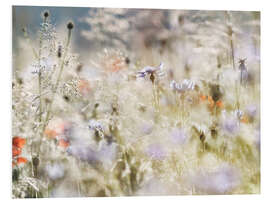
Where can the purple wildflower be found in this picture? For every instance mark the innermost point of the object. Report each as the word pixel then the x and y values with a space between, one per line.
pixel 55 171
pixel 178 136
pixel 147 128
pixel 251 110
pixel 155 151
pixel 148 70
pixel 221 181
pixel 84 153
pixel 231 125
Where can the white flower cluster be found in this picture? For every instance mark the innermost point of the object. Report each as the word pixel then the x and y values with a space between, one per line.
pixel 185 85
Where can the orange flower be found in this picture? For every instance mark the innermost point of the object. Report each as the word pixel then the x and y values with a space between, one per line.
pixel 113 61
pixel 219 104
pixel 21 160
pixel 211 102
pixel 50 133
pixel 16 151
pixel 203 97
pixel 18 142
pixel 244 119
pixel 84 87
pixel 116 65
pixel 63 143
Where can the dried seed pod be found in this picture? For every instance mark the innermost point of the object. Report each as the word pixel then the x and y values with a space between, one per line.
pixel 142 108
pixel 115 109
pixel 152 78
pixel 242 65
pixel 15 175
pixel 59 51
pixel 47 100
pixel 20 81
pixel 66 98
pixel 215 92
pixel 127 60
pixel 181 20
pixel 202 137
pixel 230 31
pixel 46 14
pixel 214 133
pixel 35 161
pixel 79 68
pixel 70 26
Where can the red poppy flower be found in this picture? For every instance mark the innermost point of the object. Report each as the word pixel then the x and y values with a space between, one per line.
pixel 63 143
pixel 219 104
pixel 21 160
pixel 18 142
pixel 50 133
pixel 16 151
pixel 84 87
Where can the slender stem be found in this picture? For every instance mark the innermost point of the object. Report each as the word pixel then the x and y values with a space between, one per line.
pixel 40 92
pixel 182 108
pixel 230 34
pixel 156 96
pixel 241 74
pixel 57 80
pixel 39 74
pixel 38 56
pixel 232 51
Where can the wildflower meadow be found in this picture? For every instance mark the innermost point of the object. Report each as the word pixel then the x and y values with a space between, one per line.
pixel 135 102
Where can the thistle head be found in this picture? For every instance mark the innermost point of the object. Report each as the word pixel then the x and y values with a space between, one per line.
pixel 70 26
pixel 59 51
pixel 242 61
pixel 45 15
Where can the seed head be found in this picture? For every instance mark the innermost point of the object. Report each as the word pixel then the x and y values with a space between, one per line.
pixel 181 20
pixel 79 67
pixel 96 105
pixel 242 61
pixel 59 51
pixel 152 78
pixel 215 92
pixel 230 31
pixel 20 81
pixel 127 60
pixel 202 137
pixel 66 98
pixel 70 26
pixel 15 175
pixel 35 161
pixel 46 14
